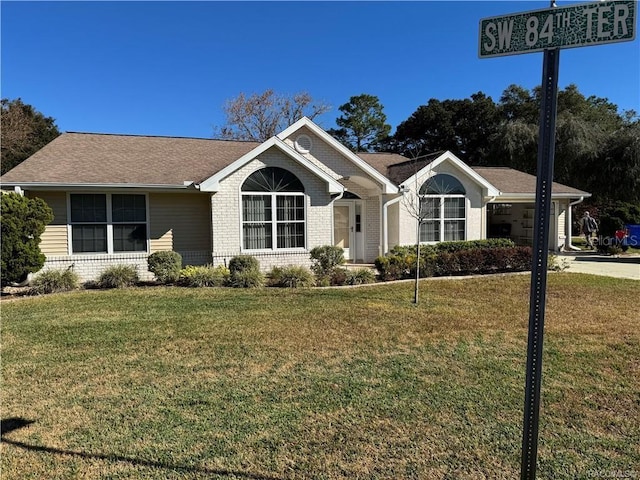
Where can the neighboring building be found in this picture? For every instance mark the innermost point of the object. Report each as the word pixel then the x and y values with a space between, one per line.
pixel 118 198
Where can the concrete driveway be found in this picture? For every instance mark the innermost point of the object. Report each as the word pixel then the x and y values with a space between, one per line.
pixel 624 266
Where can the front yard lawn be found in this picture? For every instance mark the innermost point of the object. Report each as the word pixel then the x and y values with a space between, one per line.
pixel 175 383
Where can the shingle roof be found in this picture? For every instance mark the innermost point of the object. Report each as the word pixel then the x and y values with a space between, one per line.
pixel 510 181
pixel 91 158
pixel 94 158
pixel 396 167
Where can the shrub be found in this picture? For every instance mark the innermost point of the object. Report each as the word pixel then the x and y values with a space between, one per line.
pixel 400 262
pixel 52 281
pixel 22 221
pixel 392 267
pixel 451 247
pixel 165 265
pixel 360 276
pixel 243 263
pixel 118 276
pixel 325 259
pixel 247 279
pixel 204 276
pixel 291 277
pixel 465 259
pixel 245 272
pixel 338 276
pixel 614 250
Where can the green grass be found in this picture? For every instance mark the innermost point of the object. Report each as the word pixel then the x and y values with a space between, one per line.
pixel 321 384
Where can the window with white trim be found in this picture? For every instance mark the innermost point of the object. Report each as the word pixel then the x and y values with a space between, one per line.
pixel 442 209
pixel 108 223
pixel 273 210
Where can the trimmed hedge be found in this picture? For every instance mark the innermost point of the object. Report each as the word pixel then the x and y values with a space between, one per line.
pixel 455 258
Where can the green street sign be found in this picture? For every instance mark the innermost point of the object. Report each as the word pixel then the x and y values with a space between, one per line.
pixel 579 25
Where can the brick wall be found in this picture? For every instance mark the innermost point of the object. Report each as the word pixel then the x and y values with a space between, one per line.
pixel 226 207
pixel 89 267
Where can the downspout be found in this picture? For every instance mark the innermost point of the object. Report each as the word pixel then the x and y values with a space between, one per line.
pixel 567 242
pixel 385 215
pixel 333 220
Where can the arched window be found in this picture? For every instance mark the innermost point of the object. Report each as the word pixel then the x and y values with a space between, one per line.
pixel 263 192
pixel 442 209
pixel 442 184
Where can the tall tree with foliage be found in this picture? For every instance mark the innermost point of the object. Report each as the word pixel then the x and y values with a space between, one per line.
pixel 260 116
pixel 597 149
pixel 461 126
pixel 22 221
pixel 591 138
pixel 24 131
pixel 363 124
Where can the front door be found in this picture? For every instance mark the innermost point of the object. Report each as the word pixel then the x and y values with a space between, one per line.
pixel 343 231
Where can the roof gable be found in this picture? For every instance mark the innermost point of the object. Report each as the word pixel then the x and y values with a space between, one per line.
pixel 212 183
pixel 488 188
pixel 387 185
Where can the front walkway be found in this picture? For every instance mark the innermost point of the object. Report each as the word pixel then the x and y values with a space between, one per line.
pixel 623 266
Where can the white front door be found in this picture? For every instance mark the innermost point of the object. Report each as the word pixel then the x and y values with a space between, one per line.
pixel 343 231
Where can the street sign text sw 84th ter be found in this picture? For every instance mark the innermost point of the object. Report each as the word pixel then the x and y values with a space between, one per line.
pixel 562 27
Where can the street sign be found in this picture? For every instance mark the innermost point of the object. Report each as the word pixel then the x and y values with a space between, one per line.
pixel 548 30
pixel 561 27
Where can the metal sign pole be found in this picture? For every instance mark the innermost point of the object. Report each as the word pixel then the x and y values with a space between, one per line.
pixel 546 150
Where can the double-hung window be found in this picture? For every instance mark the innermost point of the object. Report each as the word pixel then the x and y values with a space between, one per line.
pixel 442 209
pixel 273 210
pixel 108 223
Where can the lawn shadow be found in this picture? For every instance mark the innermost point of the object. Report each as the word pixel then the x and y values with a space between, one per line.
pixel 607 259
pixel 8 425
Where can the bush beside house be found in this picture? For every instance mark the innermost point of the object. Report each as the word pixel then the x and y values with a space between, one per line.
pixel 165 265
pixel 22 222
pixel 118 276
pixel 455 258
pixel 54 281
pixel 244 272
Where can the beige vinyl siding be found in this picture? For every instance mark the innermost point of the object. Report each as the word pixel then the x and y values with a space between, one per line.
pixel 180 222
pixel 54 240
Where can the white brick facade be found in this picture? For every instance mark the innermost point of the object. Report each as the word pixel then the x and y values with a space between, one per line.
pixel 226 210
pixel 203 221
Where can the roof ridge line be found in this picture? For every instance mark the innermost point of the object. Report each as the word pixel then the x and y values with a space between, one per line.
pixel 160 136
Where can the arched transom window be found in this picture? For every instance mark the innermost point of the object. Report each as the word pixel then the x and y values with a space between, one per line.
pixel 442 209
pixel 273 212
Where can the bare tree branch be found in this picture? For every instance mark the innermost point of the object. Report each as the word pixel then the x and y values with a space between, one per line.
pixel 260 116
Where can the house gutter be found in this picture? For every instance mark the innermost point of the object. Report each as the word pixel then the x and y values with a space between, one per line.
pixel 21 186
pixel 385 225
pixel 567 242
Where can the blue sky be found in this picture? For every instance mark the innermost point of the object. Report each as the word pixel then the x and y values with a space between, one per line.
pixel 167 68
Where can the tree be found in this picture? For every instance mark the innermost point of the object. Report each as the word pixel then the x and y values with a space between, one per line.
pixel 22 221
pixel 24 131
pixel 461 126
pixel 258 117
pixel 618 169
pixel 362 123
